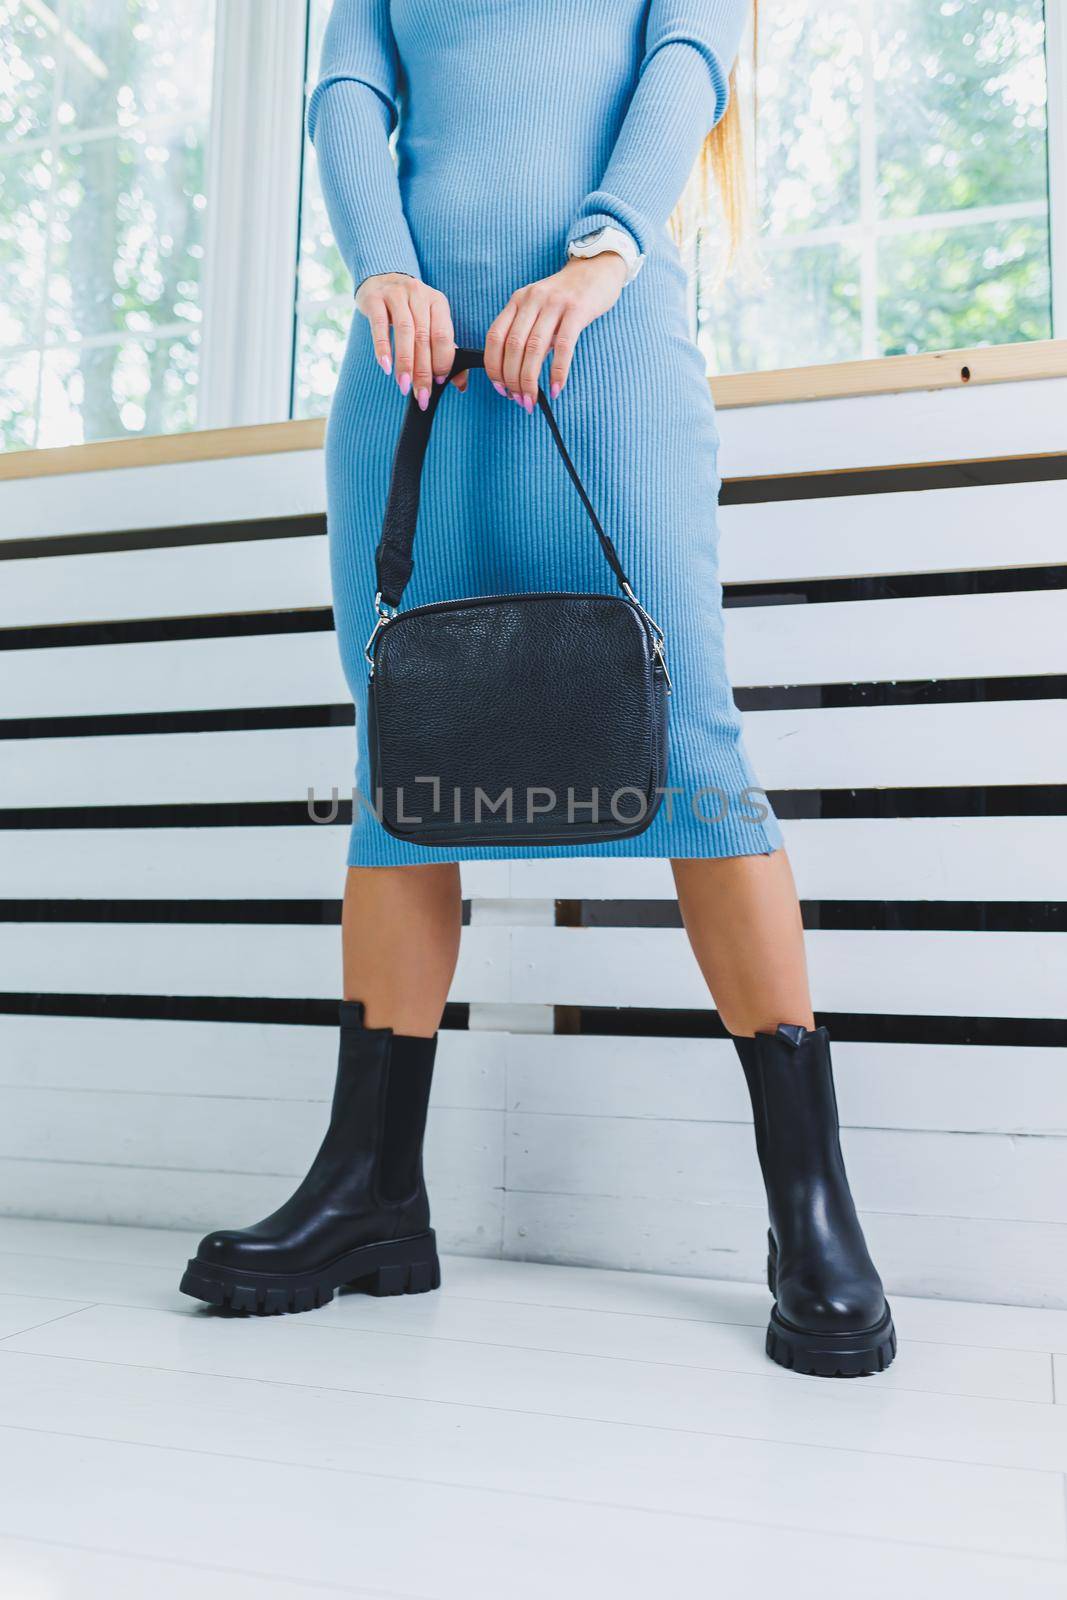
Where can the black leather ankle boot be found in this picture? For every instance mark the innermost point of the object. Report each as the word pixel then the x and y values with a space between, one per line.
pixel 830 1315
pixel 361 1217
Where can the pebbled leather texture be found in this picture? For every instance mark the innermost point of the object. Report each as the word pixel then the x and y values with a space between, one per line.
pixel 341 1204
pixel 548 699
pixel 826 1281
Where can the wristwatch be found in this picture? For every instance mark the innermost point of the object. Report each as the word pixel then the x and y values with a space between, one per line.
pixel 608 238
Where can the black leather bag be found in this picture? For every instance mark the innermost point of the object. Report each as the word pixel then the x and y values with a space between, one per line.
pixel 520 719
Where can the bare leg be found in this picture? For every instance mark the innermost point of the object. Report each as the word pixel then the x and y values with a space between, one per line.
pixel 743 920
pixel 400 930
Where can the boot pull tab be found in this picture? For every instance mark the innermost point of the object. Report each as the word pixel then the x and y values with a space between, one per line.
pixel 792 1033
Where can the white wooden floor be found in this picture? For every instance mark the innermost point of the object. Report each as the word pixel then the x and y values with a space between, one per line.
pixel 528 1431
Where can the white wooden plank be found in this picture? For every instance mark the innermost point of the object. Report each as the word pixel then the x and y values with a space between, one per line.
pixel 134 1247
pixel 1016 1263
pixel 158 768
pixel 952 1088
pixel 79 1261
pixel 883 746
pixel 995 1176
pixel 568 1547
pixel 174 863
pixel 19 1313
pixel 325 1354
pixel 303 863
pixel 140 1405
pixel 470 1220
pixel 660 1295
pixel 35 1569
pixel 941 974
pixel 1022 1375
pixel 207 959
pixel 861 641
pixel 293 669
pixel 184 494
pixel 843 536
pixel 184 580
pixel 926 530
pixel 998 743
pixel 957 424
pixel 93 1574
pixel 270 1062
pixel 251 1136
pixel 877 858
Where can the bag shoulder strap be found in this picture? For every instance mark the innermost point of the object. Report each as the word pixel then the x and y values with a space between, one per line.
pixel 394 559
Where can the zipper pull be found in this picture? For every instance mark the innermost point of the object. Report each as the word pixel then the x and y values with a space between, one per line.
pixel 657 649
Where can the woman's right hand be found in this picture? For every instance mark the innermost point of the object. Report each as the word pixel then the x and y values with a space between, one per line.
pixel 424 343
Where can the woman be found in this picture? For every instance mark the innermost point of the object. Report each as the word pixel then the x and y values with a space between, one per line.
pixel 542 147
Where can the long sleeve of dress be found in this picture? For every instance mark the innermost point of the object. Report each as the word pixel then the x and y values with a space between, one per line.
pixel 682 91
pixel 351 116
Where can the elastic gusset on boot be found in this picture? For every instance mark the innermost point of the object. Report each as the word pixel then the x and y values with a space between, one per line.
pixel 407 1096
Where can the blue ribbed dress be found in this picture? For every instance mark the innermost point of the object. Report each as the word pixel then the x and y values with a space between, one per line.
pixel 522 124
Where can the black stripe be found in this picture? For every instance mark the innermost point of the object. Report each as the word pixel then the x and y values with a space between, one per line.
pixel 946 916
pixel 914 692
pixel 943 916
pixel 775 697
pixel 193 1008
pixel 168 630
pixel 260 913
pixel 239 719
pixel 978 800
pixel 895 586
pixel 95 544
pixel 855 1027
pixel 221 814
pixel 993 800
pixel 893 480
pixel 858 1027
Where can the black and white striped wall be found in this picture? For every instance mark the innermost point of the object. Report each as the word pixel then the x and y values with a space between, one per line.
pixel 169 944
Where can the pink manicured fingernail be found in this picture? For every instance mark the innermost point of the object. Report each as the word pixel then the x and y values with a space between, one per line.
pixel 528 403
pixel 555 389
pixel 441 380
pixel 386 364
pixel 499 387
pixel 405 382
pixel 423 398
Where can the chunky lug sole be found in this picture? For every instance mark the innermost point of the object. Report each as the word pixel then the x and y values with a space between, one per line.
pixel 827 1354
pixel 397 1266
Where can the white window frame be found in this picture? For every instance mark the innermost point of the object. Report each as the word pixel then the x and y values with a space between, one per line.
pixel 252 244
pixel 1056 66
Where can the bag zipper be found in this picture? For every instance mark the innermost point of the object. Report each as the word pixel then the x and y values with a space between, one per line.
pixel 651 629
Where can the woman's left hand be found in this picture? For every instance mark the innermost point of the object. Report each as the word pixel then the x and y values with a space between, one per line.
pixel 549 315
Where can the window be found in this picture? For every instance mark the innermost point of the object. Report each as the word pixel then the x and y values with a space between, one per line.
pixel 904 204
pixel 902 194
pixel 104 110
pixel 902 182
